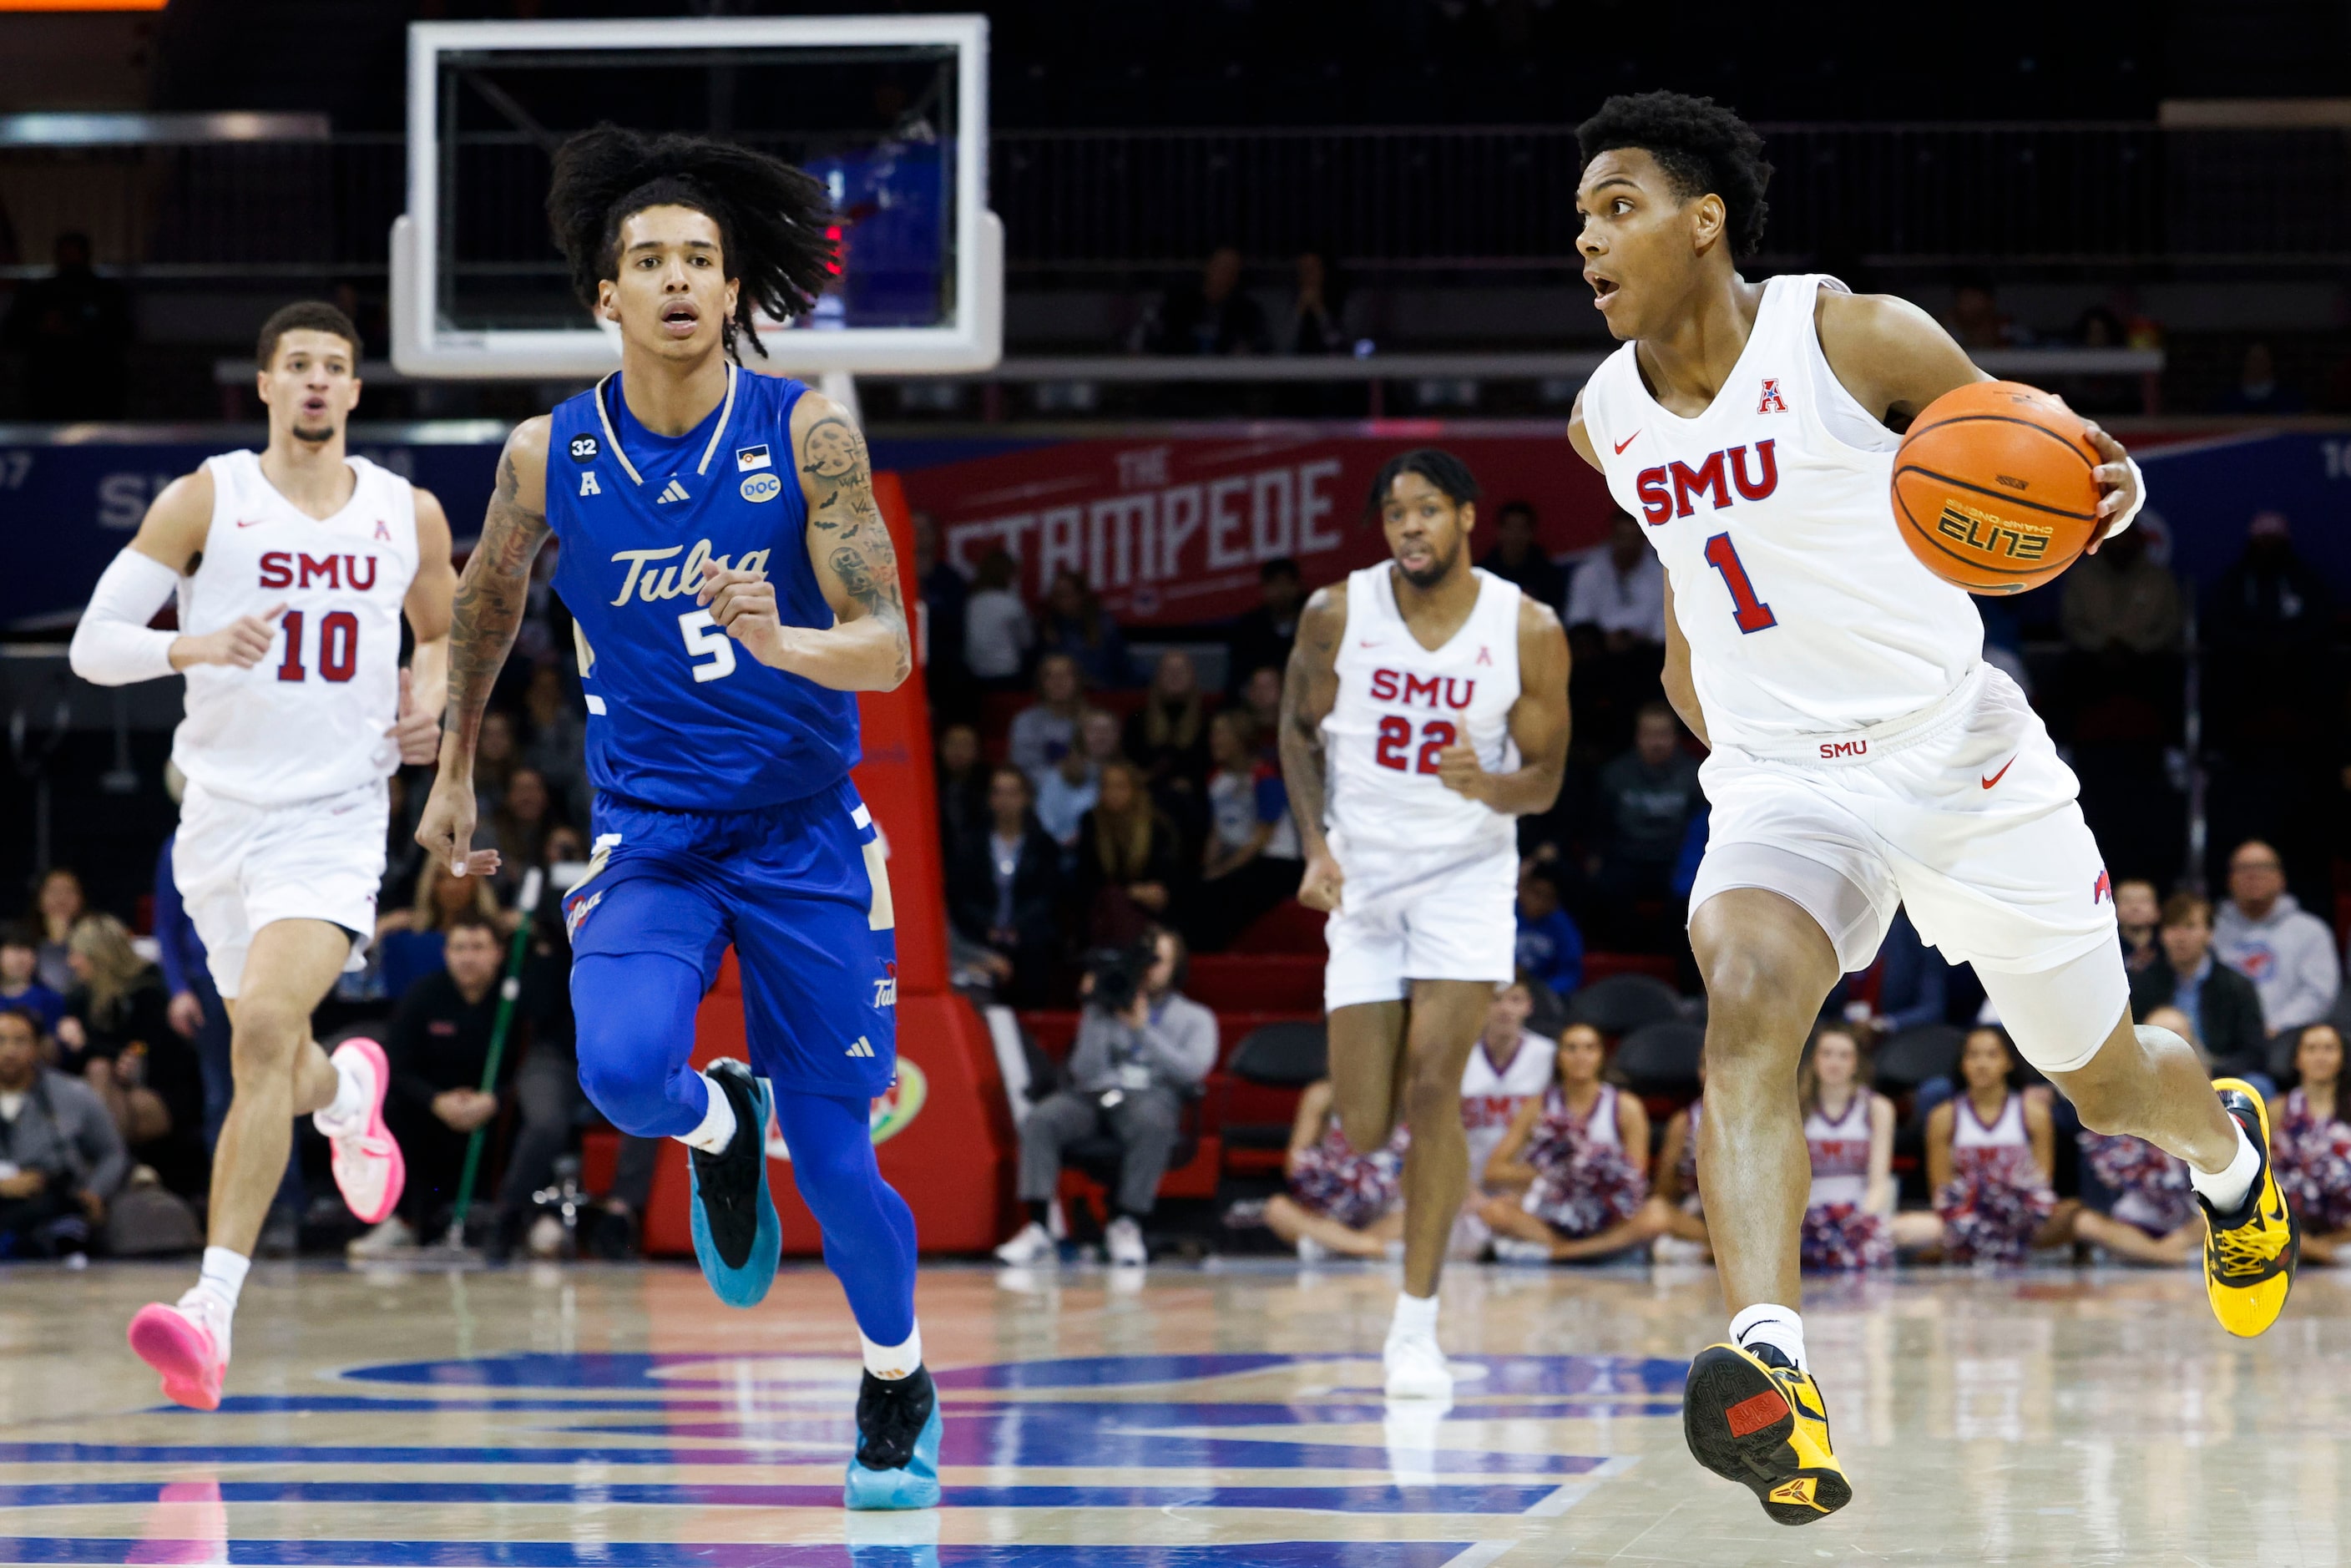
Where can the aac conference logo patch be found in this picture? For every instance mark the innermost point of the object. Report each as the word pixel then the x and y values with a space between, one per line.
pixel 762 488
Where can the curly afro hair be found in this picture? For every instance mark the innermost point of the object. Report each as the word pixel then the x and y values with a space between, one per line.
pixel 772 218
pixel 1434 464
pixel 1701 146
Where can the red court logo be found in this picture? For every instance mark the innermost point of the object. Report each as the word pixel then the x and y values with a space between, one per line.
pixel 1771 402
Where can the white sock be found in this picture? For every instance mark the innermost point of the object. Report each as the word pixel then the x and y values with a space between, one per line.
pixel 348 1111
pixel 1414 1316
pixel 718 1129
pixel 2225 1188
pixel 893 1362
pixel 1767 1323
pixel 223 1275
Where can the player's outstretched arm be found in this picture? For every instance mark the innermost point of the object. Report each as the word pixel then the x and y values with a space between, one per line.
pixel 424 685
pixel 1308 691
pixel 868 647
pixel 1539 726
pixel 484 614
pixel 113 647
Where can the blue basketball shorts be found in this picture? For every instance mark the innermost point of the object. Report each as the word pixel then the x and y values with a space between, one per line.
pixel 801 891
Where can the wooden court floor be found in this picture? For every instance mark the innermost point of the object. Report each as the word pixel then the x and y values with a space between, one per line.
pixel 1217 1418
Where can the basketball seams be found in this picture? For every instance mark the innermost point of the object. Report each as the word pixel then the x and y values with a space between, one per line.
pixel 2088 459
pixel 2007 495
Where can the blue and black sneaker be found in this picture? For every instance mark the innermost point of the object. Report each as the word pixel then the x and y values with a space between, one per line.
pixel 736 1237
pixel 898 1426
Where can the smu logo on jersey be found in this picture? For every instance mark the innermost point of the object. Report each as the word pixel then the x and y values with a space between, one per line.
pixel 1422 691
pixel 1668 492
pixel 683 577
pixel 278 570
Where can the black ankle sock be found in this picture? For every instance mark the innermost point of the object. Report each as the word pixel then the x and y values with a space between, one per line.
pixel 1041 1212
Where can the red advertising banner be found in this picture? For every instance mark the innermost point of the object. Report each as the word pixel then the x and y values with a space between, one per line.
pixel 1171 530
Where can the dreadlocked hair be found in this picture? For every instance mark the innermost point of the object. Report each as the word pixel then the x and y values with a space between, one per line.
pixel 1703 148
pixel 771 217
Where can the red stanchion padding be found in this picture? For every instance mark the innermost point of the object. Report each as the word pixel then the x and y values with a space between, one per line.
pixel 944 1133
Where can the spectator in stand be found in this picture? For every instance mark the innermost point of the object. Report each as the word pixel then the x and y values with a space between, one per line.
pixel 20 987
pixel 558 741
pixel 1318 315
pixel 1518 557
pixel 1129 862
pixel 437 1046
pixel 2119 603
pixel 1913 981
pixel 1212 316
pixel 1128 1074
pixel 58 904
pixel 2313 1146
pixel 519 826
pixel 1337 1201
pixel 1977 319
pixel 548 1098
pixel 117 1035
pixel 2226 1010
pixel 1250 861
pixel 2262 934
pixel 61 1156
pixel 1261 696
pixel 73 328
pixel 1076 623
pixel 195 1010
pixel 1643 800
pixel 1550 947
pixel 1621 591
pixel 2138 915
pixel 1004 887
pixel 2258 389
pixel 500 754
pixel 1070 787
pixel 963 789
pixel 1261 636
pixel 410 939
pixel 1168 736
pixel 996 630
pixel 945 595
pixel 1048 728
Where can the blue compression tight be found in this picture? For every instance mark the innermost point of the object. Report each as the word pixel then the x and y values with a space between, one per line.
pixel 636 1015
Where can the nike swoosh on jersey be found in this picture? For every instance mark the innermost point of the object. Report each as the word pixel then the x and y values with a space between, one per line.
pixel 2002 774
pixel 1628 441
pixel 255 523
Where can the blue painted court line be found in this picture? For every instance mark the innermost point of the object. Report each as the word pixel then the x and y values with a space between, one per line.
pixel 669 1554
pixel 541 1494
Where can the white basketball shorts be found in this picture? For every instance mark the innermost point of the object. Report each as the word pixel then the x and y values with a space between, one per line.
pixel 1400 920
pixel 1968 818
pixel 241 866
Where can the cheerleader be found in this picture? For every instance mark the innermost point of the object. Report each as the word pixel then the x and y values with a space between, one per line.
pixel 1510 1065
pixel 1991 1152
pixel 1850 1129
pixel 1675 1209
pixel 1574 1166
pixel 1339 1201
pixel 2313 1147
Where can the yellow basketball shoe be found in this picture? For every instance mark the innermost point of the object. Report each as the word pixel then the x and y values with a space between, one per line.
pixel 1753 1418
pixel 2249 1256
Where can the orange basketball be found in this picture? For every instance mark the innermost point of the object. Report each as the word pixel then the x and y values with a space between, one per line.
pixel 1992 487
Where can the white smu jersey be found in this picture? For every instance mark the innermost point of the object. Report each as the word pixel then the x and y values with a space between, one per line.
pixel 1805 611
pixel 309 719
pixel 1489 1099
pixel 1399 704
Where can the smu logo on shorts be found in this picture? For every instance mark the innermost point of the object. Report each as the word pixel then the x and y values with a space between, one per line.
pixel 1667 493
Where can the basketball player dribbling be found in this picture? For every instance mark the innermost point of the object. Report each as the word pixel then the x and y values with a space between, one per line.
pixel 292 569
pixel 1862 754
pixel 734 587
pixel 1425 707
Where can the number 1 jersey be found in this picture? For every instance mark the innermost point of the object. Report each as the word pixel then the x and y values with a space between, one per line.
pixel 679 715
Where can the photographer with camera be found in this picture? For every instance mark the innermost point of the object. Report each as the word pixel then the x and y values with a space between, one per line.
pixel 1142 1050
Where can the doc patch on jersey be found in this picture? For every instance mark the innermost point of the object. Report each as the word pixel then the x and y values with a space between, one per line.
pixel 584 449
pixel 750 457
pixel 762 488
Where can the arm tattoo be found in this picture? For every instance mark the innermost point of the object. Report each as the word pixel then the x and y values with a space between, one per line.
pixel 1303 761
pixel 833 457
pixel 491 598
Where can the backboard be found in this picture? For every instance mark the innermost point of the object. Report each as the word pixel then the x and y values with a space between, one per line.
pixel 889 112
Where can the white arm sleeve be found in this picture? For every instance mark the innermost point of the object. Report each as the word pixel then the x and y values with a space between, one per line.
pixel 2119 524
pixel 114 646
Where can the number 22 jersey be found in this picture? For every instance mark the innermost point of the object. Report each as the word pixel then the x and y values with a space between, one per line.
pixel 680 716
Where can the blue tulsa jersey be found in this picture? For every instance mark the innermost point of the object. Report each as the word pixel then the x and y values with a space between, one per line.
pixel 679 716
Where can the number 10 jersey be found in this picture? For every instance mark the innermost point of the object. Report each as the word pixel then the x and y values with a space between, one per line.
pixel 1399 705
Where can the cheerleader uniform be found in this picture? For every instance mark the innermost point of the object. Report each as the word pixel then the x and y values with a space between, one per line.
pixel 2150 1188
pixel 1686 1169
pixel 2312 1156
pixel 1840 1233
pixel 1584 1180
pixel 1332 1180
pixel 1997 1198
